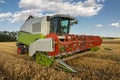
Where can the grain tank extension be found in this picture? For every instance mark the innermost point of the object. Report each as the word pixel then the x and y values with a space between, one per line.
pixel 48 39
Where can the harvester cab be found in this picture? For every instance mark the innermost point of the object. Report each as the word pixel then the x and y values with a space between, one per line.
pixel 48 39
pixel 60 24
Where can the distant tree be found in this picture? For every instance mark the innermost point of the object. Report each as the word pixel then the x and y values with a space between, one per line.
pixel 6 36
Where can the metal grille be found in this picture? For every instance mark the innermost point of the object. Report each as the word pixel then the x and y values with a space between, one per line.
pixel 36 27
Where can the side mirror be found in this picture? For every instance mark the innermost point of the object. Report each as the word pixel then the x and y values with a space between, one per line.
pixel 73 22
pixel 76 21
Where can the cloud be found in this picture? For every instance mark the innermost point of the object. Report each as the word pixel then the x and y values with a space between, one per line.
pixel 21 16
pixel 2 1
pixel 86 8
pixel 5 15
pixel 98 25
pixel 100 0
pixel 44 7
pixel 115 24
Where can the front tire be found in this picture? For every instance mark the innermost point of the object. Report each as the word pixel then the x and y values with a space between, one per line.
pixel 20 50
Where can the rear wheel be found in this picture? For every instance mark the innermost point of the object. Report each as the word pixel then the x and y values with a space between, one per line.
pixel 20 50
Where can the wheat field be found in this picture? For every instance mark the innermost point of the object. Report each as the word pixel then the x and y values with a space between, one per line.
pixel 103 64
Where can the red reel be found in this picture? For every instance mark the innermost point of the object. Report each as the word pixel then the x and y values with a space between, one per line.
pixel 91 41
pixel 99 40
pixel 56 44
pixel 94 41
pixel 82 42
pixel 72 44
pixel 75 42
pixel 88 42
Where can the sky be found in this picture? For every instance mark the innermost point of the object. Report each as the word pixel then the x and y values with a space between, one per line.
pixel 95 17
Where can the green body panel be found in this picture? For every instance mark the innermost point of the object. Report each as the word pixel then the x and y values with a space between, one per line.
pixel 27 38
pixel 43 59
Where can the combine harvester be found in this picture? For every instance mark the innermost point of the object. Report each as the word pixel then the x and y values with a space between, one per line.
pixel 48 39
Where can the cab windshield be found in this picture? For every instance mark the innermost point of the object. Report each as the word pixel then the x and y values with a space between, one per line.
pixel 59 25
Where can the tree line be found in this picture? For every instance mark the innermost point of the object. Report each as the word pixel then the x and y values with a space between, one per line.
pixel 6 36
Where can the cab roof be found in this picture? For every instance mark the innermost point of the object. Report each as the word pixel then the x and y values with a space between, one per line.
pixel 63 15
pixel 55 15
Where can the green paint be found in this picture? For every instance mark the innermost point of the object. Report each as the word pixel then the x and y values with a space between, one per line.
pixel 94 49
pixel 43 59
pixel 27 39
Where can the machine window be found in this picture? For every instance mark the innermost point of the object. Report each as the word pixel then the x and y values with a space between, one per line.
pixel 59 25
pixel 64 26
pixel 53 24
